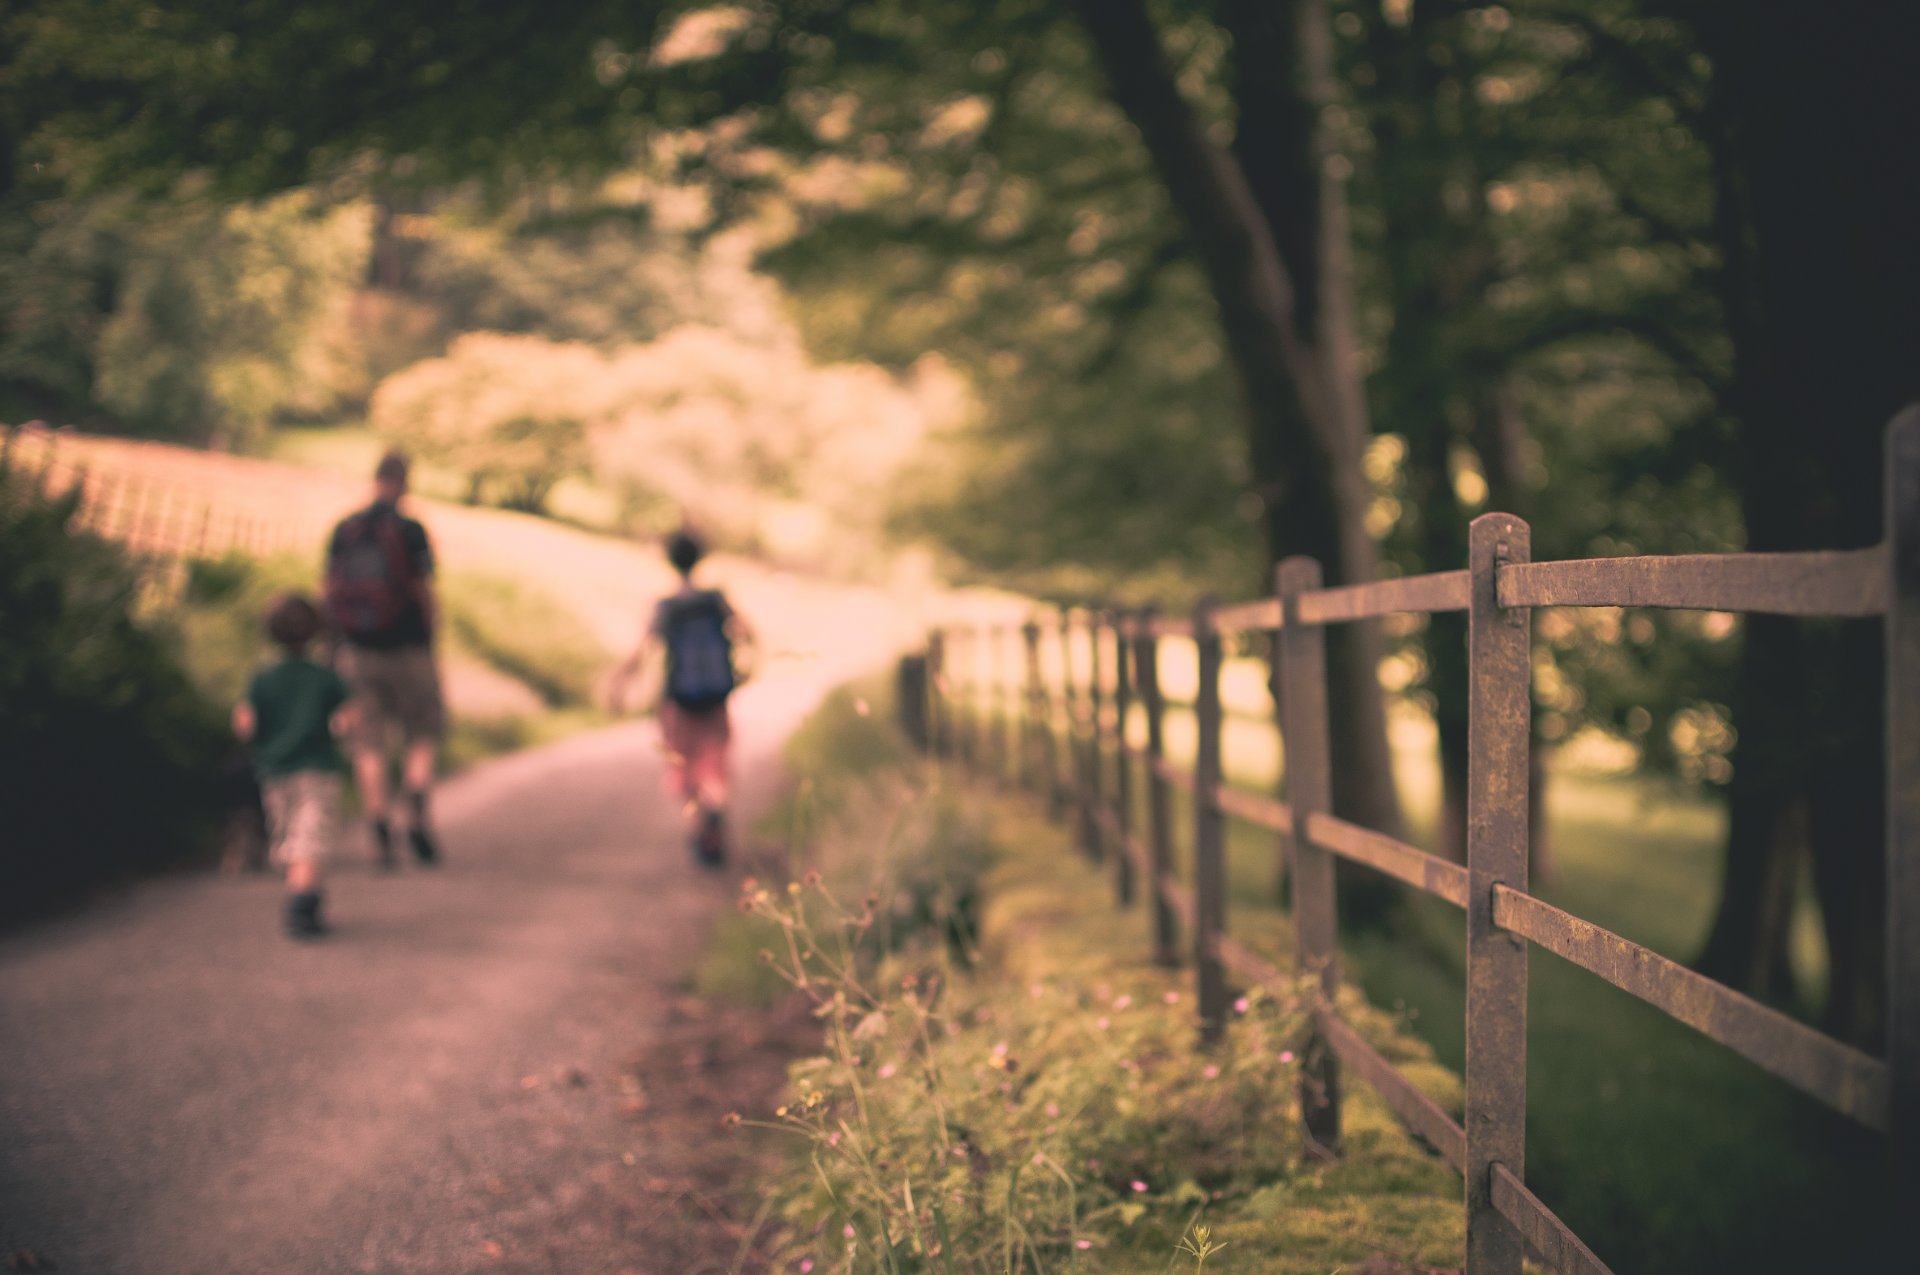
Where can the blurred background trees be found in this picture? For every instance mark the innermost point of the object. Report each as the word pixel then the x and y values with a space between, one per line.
pixel 1117 300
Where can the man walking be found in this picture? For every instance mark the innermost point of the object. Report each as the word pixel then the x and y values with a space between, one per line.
pixel 380 597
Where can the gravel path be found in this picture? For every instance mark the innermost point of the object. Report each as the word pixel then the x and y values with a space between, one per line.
pixel 488 1067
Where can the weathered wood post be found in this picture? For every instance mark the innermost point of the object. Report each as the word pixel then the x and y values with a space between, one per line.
pixel 1096 833
pixel 1309 766
pixel 999 706
pixel 1500 681
pixel 1209 832
pixel 1037 764
pixel 1123 760
pixel 1146 657
pixel 1073 795
pixel 937 692
pixel 1902 515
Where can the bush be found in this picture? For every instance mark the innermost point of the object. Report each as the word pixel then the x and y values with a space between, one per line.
pixel 111 753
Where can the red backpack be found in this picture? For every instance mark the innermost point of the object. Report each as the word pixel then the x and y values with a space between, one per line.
pixel 370 579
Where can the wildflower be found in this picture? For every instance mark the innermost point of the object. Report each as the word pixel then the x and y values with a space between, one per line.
pixel 793 887
pixel 886 1071
pixel 1122 1001
pixel 1138 1185
pixel 730 1120
pixel 1171 998
pixel 1286 1055
pixel 1083 1243
pixel 810 880
pixel 806 1264
pixel 1053 1111
pixel 746 886
pixel 1102 1023
pixel 1242 1005
pixel 1211 1071
pixel 1036 991
pixel 847 1230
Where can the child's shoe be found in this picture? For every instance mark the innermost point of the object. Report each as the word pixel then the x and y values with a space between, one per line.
pixel 303 915
pixel 710 843
pixel 425 850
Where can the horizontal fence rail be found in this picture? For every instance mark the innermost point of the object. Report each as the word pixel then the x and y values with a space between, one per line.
pixel 1106 668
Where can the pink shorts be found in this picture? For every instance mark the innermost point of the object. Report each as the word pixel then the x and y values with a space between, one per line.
pixel 695 744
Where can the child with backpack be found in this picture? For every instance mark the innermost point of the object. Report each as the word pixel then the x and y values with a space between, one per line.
pixel 293 709
pixel 701 634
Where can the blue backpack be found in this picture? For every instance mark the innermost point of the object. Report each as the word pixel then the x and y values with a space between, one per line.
pixel 699 653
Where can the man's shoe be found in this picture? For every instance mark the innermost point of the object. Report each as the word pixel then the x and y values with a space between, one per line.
pixel 303 915
pixel 422 843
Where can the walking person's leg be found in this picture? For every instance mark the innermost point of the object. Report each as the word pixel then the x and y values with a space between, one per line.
pixel 302 816
pixel 708 746
pixel 423 717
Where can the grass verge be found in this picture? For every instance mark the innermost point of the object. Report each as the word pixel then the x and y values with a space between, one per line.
pixel 1007 1082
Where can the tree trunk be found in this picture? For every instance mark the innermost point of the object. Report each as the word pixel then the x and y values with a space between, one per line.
pixel 1278 268
pixel 1826 321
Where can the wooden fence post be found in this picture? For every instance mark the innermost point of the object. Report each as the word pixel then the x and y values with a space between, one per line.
pixel 936 692
pixel 1209 832
pixel 1500 682
pixel 1146 655
pixel 1123 761
pixel 1309 767
pixel 1035 753
pixel 1096 735
pixel 1070 795
pixel 1902 515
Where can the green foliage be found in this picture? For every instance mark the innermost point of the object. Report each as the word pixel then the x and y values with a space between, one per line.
pixel 1034 1098
pixel 183 318
pixel 110 751
pixel 508 414
pixel 526 634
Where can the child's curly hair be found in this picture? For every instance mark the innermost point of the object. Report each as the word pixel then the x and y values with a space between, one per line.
pixel 293 620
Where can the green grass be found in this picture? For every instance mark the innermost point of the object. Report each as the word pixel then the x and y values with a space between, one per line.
pixel 1665 1151
pixel 1048 922
pixel 526 634
pixel 352 449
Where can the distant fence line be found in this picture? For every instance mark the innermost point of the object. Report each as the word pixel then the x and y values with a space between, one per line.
pixel 988 704
pixel 162 525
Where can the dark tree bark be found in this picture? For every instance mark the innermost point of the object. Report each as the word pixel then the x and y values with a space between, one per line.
pixel 1268 225
pixel 1817 204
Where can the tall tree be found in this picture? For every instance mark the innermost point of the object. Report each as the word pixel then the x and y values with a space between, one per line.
pixel 1815 205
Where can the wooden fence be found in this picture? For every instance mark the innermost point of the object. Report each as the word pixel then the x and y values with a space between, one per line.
pixel 162 525
pixel 987 706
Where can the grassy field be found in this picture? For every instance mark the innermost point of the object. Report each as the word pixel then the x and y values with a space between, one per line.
pixel 351 449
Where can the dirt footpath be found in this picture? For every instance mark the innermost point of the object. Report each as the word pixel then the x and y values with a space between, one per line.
pixel 492 1066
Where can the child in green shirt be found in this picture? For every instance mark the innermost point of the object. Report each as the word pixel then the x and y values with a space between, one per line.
pixel 292 711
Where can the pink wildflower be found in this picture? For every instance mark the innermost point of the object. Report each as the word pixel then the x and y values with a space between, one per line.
pixel 1286 1055
pixel 1138 1185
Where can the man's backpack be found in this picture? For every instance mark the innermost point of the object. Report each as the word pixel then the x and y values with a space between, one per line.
pixel 699 653
pixel 370 579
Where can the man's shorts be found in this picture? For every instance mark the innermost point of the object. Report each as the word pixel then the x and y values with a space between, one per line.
pixel 303 815
pixel 695 743
pixel 399 688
